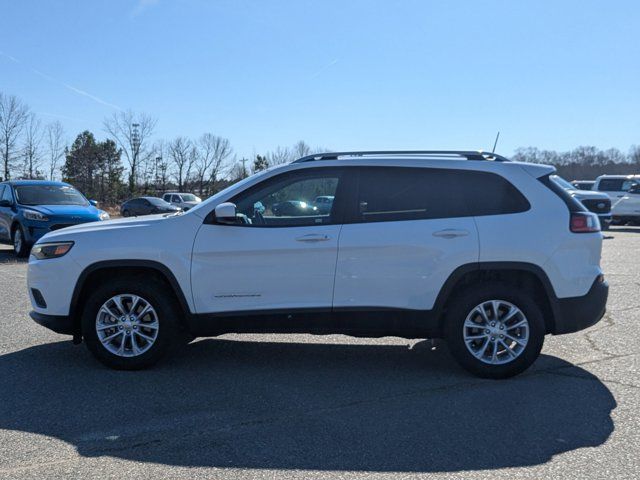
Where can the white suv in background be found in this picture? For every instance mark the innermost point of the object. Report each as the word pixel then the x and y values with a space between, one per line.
pixel 185 201
pixel 492 255
pixel 625 196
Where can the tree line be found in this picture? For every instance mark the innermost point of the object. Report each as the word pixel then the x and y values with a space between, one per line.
pixel 585 162
pixel 131 161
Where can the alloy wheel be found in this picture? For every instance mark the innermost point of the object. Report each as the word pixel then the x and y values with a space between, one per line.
pixel 127 325
pixel 496 332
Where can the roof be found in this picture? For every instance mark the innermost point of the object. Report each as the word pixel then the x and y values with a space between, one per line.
pixel 36 182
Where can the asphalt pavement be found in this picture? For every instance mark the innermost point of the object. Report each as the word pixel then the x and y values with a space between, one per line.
pixel 309 407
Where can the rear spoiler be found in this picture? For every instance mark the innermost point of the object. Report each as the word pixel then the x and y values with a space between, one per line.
pixel 537 170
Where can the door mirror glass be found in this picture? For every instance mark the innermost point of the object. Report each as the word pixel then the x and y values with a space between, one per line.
pixel 226 213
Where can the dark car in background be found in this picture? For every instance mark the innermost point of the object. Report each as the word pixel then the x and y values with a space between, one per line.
pixel 293 208
pixel 147 206
pixel 31 208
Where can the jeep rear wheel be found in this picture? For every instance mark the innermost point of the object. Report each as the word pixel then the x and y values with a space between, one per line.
pixel 495 330
pixel 129 324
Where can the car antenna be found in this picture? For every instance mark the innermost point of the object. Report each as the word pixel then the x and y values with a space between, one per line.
pixel 496 142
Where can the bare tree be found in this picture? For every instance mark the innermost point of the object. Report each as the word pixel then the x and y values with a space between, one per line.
pixel 279 156
pixel 13 115
pixel 55 146
pixel 132 132
pixel 213 151
pixel 32 153
pixel 181 154
pixel 301 149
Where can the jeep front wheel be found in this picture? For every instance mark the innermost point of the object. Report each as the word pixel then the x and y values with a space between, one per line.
pixel 129 325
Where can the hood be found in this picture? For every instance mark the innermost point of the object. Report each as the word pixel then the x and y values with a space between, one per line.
pixel 88 211
pixel 117 224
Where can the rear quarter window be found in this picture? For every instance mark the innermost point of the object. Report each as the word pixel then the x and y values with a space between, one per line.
pixel 487 193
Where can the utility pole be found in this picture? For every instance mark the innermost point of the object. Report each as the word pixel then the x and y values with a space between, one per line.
pixel 157 172
pixel 135 150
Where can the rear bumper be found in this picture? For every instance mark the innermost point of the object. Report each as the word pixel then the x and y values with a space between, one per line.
pixel 58 323
pixel 605 219
pixel 577 313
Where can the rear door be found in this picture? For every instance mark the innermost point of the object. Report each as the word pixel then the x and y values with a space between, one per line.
pixel 409 232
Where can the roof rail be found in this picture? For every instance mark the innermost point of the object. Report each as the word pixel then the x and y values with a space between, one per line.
pixel 468 155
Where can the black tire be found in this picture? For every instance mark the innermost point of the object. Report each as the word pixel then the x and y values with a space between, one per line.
pixel 126 213
pixel 22 248
pixel 159 296
pixel 464 303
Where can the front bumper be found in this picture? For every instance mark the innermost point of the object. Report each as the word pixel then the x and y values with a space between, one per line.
pixel 577 313
pixel 58 323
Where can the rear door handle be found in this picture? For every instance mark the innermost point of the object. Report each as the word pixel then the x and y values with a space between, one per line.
pixel 313 237
pixel 451 233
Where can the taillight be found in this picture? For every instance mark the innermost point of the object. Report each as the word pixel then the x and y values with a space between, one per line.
pixel 584 222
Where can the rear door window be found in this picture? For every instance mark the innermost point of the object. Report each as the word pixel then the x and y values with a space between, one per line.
pixel 388 194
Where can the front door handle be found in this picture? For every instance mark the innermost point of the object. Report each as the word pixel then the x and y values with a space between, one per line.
pixel 451 233
pixel 313 237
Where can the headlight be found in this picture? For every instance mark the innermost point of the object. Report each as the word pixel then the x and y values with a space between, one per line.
pixel 33 215
pixel 51 250
pixel 104 216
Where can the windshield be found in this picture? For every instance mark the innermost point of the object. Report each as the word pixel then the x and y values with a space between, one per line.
pixel 187 197
pixel 562 182
pixel 49 195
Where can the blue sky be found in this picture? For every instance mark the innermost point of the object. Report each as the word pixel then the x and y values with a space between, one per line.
pixel 341 74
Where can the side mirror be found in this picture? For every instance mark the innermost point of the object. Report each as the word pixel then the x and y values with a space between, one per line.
pixel 5 203
pixel 226 213
pixel 634 190
pixel 93 202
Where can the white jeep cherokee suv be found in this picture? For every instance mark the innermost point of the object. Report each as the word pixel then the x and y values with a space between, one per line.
pixel 489 254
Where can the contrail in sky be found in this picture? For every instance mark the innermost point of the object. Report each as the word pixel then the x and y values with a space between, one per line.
pixel 60 82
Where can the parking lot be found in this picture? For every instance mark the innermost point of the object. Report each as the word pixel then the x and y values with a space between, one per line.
pixel 299 406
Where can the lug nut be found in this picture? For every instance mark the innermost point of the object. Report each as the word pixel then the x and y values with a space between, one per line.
pixel 487 331
pixel 501 336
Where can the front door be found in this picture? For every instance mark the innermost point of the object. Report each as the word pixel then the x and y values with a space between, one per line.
pixel 281 253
